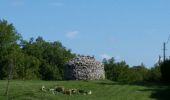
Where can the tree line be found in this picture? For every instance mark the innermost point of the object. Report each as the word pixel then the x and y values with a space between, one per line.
pixel 33 59
pixel 122 72
pixel 39 59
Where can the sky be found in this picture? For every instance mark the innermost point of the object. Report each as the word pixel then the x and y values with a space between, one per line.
pixel 130 30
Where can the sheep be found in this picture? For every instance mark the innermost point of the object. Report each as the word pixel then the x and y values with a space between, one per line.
pixel 85 92
pixel 89 92
pixel 59 89
pixel 81 91
pixel 52 90
pixel 43 88
pixel 74 91
pixel 68 92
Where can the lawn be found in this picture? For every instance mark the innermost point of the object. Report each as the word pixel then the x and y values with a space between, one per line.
pixel 101 90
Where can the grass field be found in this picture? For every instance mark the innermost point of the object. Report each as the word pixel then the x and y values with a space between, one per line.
pixel 101 90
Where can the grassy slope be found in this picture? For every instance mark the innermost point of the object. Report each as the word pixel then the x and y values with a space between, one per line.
pixel 102 90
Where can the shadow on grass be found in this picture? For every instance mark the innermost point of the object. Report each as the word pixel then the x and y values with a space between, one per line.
pixel 160 91
pixel 22 95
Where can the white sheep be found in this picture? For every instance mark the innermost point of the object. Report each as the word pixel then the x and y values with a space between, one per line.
pixel 52 90
pixel 43 88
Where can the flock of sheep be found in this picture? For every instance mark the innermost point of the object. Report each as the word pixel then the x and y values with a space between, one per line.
pixel 61 89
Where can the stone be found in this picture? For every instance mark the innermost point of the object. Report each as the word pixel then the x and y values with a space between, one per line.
pixel 84 68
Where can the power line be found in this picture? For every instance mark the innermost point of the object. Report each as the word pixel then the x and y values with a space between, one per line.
pixel 168 39
pixel 164 48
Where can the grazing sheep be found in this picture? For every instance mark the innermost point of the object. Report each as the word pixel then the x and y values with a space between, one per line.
pixel 52 90
pixel 68 91
pixel 74 91
pixel 43 88
pixel 59 89
pixel 81 91
pixel 89 92
pixel 85 92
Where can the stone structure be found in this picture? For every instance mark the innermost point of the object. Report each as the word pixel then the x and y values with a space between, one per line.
pixel 84 68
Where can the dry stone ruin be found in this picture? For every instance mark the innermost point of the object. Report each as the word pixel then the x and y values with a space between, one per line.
pixel 84 68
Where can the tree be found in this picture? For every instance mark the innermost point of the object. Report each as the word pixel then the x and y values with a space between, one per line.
pixel 109 67
pixel 154 74
pixel 140 72
pixel 165 71
pixel 116 71
pixel 52 57
pixel 8 45
pixel 120 71
pixel 33 59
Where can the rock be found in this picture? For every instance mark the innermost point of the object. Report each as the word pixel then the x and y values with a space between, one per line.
pixel 84 68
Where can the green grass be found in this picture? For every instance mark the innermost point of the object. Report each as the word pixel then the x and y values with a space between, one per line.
pixel 101 90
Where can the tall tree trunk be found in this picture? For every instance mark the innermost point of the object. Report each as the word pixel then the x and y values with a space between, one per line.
pixel 10 70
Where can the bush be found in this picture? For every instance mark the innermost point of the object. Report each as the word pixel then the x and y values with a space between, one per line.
pixel 120 71
pixel 165 71
pixel 154 74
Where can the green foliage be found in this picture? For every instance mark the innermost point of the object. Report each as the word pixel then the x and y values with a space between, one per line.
pixel 120 71
pixel 52 57
pixel 27 67
pixel 116 71
pixel 154 74
pixel 33 59
pixel 140 73
pixel 165 71
pixel 39 59
pixel 8 46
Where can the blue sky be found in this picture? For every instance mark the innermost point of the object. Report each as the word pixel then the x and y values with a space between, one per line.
pixel 130 30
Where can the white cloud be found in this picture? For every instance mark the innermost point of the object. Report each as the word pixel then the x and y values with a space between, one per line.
pixel 106 56
pixel 72 34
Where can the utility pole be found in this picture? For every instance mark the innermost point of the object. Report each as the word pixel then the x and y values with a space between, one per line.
pixel 164 52
pixel 159 62
pixel 164 48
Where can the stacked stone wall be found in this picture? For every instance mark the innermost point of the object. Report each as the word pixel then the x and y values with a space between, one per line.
pixel 84 68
